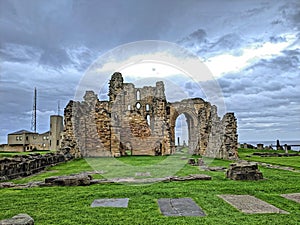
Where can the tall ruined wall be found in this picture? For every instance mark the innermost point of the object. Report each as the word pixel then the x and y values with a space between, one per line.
pixel 142 122
pixel 88 128
pixel 222 138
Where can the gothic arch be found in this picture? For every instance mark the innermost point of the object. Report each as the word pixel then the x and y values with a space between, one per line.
pixel 190 113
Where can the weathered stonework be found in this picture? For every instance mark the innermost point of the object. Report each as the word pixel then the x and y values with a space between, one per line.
pixel 20 219
pixel 141 121
pixel 244 171
pixel 25 165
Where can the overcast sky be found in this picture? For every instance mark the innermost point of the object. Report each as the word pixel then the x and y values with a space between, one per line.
pixel 252 48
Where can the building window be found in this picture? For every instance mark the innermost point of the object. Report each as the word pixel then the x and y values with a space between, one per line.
pixel 129 107
pixel 17 138
pixel 147 107
pixel 44 137
pixel 138 105
pixel 138 95
pixel 57 142
pixel 26 138
pixel 20 138
pixel 148 120
pixel 44 145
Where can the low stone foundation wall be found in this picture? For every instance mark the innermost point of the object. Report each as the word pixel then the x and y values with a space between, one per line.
pixel 25 165
pixel 275 154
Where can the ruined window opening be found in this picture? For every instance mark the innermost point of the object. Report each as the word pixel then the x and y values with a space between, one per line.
pixel 147 107
pixel 26 138
pixel 138 105
pixel 57 142
pixel 168 110
pixel 129 107
pixel 148 120
pixel 138 95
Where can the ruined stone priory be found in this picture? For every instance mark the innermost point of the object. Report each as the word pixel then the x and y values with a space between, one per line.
pixel 140 121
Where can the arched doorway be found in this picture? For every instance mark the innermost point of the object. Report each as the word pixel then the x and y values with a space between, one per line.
pixel 192 128
pixel 181 133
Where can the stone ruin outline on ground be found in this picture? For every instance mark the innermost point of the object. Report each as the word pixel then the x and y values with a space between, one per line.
pixel 141 121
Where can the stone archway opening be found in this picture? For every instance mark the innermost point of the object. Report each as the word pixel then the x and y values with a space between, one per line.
pixel 181 133
pixel 191 127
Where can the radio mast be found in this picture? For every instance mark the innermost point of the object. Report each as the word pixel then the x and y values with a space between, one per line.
pixel 33 119
pixel 58 108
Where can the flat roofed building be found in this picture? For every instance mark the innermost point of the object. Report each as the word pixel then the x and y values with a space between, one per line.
pixel 24 140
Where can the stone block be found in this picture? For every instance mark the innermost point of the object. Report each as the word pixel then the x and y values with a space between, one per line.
pixel 111 202
pixel 72 180
pixel 244 171
pixel 20 219
pixel 179 207
pixel 250 205
pixel 294 197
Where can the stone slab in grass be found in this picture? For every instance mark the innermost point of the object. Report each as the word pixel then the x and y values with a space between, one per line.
pixel 20 219
pixel 111 202
pixel 179 207
pixel 294 196
pixel 143 174
pixel 251 205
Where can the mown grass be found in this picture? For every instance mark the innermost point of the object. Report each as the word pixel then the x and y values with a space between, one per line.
pixel 71 205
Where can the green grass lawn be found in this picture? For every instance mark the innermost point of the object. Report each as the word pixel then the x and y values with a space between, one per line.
pixel 71 205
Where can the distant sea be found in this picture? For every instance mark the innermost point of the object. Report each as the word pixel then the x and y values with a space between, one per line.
pixel 273 143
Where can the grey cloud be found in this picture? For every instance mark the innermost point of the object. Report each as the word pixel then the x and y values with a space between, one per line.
pixel 19 53
pixel 55 57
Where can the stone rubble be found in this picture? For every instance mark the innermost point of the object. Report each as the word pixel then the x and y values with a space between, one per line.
pixel 85 179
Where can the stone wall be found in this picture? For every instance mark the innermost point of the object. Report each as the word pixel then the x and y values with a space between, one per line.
pixel 25 165
pixel 11 148
pixel 140 120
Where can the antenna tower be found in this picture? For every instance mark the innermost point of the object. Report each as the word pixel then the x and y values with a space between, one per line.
pixel 58 108
pixel 33 119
